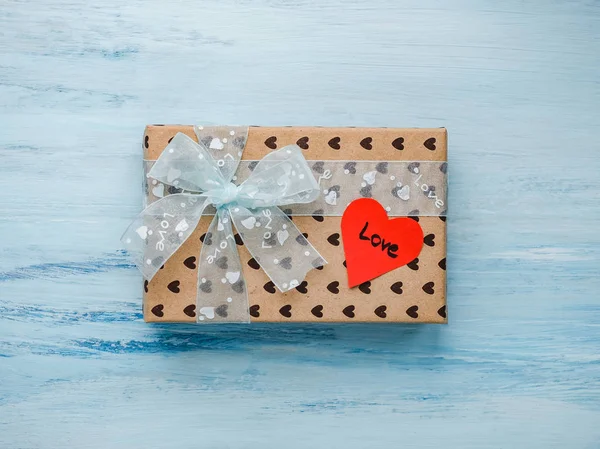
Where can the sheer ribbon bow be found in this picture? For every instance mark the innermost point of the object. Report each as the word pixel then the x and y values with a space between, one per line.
pixel 282 177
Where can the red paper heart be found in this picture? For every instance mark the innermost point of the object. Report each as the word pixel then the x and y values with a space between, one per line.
pixel 374 244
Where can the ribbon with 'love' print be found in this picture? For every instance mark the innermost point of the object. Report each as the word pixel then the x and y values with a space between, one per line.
pixel 282 177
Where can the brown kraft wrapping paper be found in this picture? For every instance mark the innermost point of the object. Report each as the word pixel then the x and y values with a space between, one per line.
pixel 414 293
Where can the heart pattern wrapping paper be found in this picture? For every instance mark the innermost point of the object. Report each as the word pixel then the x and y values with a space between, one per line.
pixel 415 292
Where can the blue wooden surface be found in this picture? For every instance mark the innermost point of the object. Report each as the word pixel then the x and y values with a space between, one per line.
pixel 516 84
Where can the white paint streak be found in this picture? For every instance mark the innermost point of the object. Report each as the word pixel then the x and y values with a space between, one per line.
pixel 546 254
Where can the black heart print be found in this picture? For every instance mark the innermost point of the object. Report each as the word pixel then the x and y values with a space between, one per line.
pixel 365 192
pixel 222 310
pixel 366 143
pixel 318 263
pixel 334 143
pixel 365 287
pixel 254 310
pixel 174 286
pixel 173 190
pixel 319 167
pixel 413 264
pixel 442 264
pixel 302 142
pixel 238 240
pixel 221 262
pixel 302 287
pixel 238 286
pixel 380 311
pixel 396 192
pixel 206 238
pixel 239 142
pixel 351 167
pixel 286 311
pixel 349 311
pixel 412 311
pixel 317 311
pixel 413 167
pixel 430 144
pixel 206 287
pixel 190 262
pixel 318 215
pixel 336 189
pixel 414 214
pixel 334 239
pixel 286 263
pixel 397 287
pixel 428 288
pixel 269 287
pixel 301 239
pixel 271 240
pixel 398 143
pixel 429 240
pixel 190 310
pixel 271 142
pixel 146 286
pixel 428 190
pixel 146 142
pixel 160 260
pixel 442 311
pixel 382 167
pixel 252 263
pixel 158 310
pixel 333 287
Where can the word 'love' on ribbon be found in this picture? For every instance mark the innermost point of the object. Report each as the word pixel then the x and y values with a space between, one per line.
pixel 282 177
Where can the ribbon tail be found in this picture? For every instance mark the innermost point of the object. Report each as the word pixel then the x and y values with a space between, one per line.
pixel 160 229
pixel 222 294
pixel 277 245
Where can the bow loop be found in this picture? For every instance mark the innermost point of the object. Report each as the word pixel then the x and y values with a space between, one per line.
pixel 187 166
pixel 281 177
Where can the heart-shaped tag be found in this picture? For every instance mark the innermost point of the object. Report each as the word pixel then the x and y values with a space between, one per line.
pixel 374 244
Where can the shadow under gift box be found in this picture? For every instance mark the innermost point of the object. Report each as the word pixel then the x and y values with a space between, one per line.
pixel 414 293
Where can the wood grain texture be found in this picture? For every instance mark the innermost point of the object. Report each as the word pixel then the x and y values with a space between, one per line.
pixel 515 83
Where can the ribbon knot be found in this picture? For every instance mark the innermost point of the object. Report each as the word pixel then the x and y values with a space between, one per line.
pixel 282 177
pixel 226 195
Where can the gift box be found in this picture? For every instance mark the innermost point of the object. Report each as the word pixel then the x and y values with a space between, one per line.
pixel 401 171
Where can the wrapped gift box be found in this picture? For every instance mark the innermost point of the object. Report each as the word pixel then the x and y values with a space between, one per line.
pixel 415 292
